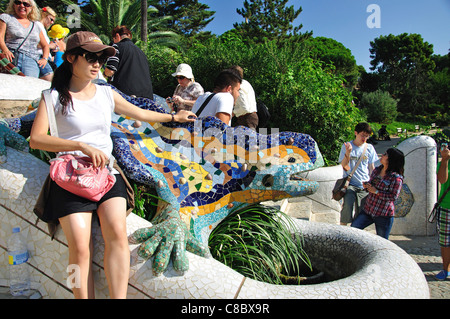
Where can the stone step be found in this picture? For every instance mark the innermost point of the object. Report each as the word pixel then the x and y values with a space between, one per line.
pixel 5 294
pixel 306 210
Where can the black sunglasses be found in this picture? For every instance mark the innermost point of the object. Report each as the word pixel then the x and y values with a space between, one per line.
pixel 180 77
pixel 92 57
pixel 25 4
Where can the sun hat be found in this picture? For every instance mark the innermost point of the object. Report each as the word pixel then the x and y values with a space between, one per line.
pixel 58 32
pixel 88 41
pixel 184 70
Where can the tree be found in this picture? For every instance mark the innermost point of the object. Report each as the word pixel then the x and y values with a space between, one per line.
pixel 332 52
pixel 188 17
pixel 379 106
pixel 144 20
pixel 104 15
pixel 404 64
pixel 269 19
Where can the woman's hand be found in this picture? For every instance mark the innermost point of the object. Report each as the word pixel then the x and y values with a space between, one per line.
pixel 9 55
pixel 370 188
pixel 99 159
pixel 185 116
pixel 42 62
pixel 178 100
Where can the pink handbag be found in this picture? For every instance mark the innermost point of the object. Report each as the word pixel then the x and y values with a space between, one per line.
pixel 78 176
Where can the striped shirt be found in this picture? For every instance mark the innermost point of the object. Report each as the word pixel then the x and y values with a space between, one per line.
pixel 389 187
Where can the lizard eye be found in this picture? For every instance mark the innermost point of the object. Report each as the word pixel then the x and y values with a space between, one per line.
pixel 291 160
pixel 267 181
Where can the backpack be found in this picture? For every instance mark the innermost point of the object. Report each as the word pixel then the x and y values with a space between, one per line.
pixel 263 113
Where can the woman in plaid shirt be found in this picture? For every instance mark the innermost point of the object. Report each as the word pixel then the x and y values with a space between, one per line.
pixel 384 187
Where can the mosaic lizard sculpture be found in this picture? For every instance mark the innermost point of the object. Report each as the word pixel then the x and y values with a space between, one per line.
pixel 203 170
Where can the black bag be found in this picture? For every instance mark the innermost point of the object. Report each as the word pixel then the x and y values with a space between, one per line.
pixel 263 113
pixel 432 216
pixel 433 213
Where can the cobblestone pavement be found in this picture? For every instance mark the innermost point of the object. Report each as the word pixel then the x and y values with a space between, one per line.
pixel 425 250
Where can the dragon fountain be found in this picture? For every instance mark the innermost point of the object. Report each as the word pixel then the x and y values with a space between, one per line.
pixel 201 171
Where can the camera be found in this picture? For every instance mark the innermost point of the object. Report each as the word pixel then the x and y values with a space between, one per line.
pixel 169 100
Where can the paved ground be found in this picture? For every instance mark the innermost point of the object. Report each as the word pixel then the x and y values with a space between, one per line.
pixel 426 252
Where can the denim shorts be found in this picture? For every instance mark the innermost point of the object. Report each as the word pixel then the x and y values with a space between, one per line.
pixel 46 70
pixel 27 65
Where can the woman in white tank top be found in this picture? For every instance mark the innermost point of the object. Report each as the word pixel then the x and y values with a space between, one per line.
pixel 83 115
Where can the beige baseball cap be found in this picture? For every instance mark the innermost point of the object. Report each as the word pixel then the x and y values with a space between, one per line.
pixel 88 41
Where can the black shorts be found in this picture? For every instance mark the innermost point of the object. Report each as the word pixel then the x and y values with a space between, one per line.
pixel 61 203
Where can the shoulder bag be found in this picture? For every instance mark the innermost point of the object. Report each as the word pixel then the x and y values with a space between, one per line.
pixel 77 174
pixel 340 188
pixel 202 107
pixel 434 211
pixel 16 51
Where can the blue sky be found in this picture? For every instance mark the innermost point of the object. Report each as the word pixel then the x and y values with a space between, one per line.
pixel 346 21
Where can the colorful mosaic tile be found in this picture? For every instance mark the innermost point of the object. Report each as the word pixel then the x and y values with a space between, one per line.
pixel 203 170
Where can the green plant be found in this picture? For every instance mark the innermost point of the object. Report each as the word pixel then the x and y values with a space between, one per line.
pixel 144 201
pixel 257 242
pixel 379 106
pixel 300 94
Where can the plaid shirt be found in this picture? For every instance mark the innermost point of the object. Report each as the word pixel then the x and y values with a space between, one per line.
pixel 389 187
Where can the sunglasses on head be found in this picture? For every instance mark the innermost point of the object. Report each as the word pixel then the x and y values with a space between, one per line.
pixel 92 57
pixel 25 4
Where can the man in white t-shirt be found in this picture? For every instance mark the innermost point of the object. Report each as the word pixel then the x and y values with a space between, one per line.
pixel 226 91
pixel 350 153
pixel 245 108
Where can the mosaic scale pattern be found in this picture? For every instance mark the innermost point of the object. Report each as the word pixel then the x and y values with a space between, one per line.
pixel 203 170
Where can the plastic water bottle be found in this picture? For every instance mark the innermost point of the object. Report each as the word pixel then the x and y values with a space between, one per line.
pixel 19 276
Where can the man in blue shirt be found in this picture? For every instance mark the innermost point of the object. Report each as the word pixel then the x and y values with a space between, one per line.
pixel 350 153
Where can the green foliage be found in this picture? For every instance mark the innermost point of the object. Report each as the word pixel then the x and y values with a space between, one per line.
pixel 106 15
pixel 300 95
pixel 188 17
pixel 269 20
pixel 257 242
pixel 145 200
pixel 404 65
pixel 379 106
pixel 335 54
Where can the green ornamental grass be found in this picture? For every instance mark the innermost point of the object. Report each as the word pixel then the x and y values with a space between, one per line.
pixel 257 241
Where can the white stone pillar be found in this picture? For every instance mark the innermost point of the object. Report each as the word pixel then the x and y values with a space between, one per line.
pixel 420 175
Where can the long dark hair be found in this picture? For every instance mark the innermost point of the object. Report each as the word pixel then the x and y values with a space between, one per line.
pixel 61 80
pixel 396 161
